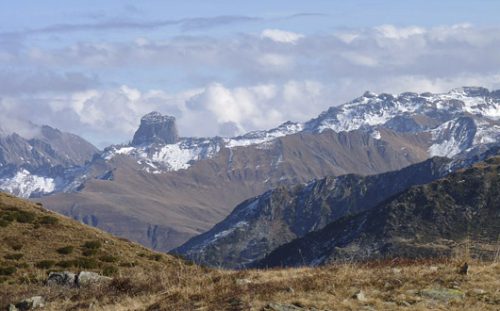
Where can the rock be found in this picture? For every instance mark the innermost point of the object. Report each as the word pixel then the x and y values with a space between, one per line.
pixel 433 268
pixel 86 278
pixel 464 270
pixel 34 302
pixel 243 281
pixel 61 278
pixel 284 307
pixel 359 296
pixel 479 292
pixel 11 307
pixel 156 128
pixel 443 294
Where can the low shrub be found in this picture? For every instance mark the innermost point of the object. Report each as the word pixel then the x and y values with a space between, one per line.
pixel 110 270
pixel 88 252
pixel 45 264
pixel 156 257
pixel 65 250
pixel 9 270
pixel 92 245
pixel 16 256
pixel 87 263
pixel 24 217
pixel 67 264
pixel 48 220
pixel 4 223
pixel 108 258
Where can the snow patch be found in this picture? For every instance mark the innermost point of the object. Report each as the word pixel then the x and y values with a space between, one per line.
pixel 24 184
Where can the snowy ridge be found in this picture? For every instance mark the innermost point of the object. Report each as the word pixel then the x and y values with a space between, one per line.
pixel 259 137
pixel 367 112
pixel 158 158
pixel 24 184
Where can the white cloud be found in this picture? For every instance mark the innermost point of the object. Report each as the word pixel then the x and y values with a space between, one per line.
pixel 393 32
pixel 281 36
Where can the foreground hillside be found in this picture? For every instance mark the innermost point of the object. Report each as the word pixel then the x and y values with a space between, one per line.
pixel 35 242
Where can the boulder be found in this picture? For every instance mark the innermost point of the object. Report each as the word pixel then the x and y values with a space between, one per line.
pixel 283 307
pixel 62 279
pixel 443 294
pixel 34 302
pixel 86 278
pixel 360 295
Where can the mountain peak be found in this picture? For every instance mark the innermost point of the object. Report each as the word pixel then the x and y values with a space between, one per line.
pixel 156 128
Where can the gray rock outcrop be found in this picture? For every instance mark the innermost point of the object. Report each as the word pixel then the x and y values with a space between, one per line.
pixel 86 278
pixel 62 279
pixel 156 128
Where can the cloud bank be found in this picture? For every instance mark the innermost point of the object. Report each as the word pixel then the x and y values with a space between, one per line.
pixel 232 84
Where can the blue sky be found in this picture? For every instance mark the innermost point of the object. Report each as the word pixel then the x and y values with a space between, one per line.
pixel 94 67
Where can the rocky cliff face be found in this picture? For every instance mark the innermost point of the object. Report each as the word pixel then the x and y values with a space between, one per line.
pixel 432 220
pixel 156 129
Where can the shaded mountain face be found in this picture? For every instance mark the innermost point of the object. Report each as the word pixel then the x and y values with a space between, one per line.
pixel 431 220
pixel 42 164
pixel 261 224
pixel 155 189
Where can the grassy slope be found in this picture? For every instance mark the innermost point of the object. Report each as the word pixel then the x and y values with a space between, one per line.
pixel 145 280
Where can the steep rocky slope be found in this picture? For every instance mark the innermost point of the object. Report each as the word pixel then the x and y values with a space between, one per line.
pixel 432 220
pixel 47 162
pixel 261 224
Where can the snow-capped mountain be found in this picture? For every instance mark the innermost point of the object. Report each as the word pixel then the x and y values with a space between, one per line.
pixel 49 161
pixel 455 121
pixel 153 189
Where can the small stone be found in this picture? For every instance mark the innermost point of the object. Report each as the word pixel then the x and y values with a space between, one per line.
pixel 396 270
pixel 12 308
pixel 479 291
pixel 360 296
pixel 243 281
pixel 34 302
pixel 282 307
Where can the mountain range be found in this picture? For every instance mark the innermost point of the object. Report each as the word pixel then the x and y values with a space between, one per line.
pixel 438 219
pixel 162 188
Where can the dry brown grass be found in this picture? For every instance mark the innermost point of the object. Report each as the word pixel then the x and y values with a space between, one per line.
pixel 150 281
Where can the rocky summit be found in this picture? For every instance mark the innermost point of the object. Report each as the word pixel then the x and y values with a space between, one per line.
pixel 156 128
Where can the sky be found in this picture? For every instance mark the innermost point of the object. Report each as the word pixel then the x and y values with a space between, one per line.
pixel 228 67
